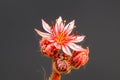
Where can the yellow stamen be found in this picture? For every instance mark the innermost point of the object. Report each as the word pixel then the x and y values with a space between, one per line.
pixel 64 21
pixel 60 38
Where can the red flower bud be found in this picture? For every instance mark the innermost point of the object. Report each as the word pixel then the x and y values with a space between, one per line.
pixel 62 63
pixel 79 58
pixel 47 48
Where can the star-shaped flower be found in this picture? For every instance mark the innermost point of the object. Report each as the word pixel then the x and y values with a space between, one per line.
pixel 59 36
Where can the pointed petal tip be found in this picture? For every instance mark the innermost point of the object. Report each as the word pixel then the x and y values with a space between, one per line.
pixel 78 39
pixel 82 38
pixel 59 19
pixel 73 21
pixel 37 31
pixel 43 34
pixel 75 47
pixel 69 27
pixel 43 21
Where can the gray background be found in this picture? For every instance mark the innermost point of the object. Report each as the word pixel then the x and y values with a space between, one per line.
pixel 99 20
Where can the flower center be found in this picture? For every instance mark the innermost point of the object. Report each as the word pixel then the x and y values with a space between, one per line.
pixel 60 38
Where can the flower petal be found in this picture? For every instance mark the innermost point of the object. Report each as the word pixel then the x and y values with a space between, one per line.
pixel 69 27
pixel 66 50
pixel 50 39
pixel 70 38
pixel 46 26
pixel 57 25
pixel 56 29
pixel 78 39
pixel 75 47
pixel 58 46
pixel 42 33
pixel 59 20
pixel 61 26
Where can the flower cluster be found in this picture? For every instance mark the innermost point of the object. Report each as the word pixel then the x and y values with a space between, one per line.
pixel 57 39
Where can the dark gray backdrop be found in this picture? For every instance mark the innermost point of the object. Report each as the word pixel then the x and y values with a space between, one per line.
pixel 99 20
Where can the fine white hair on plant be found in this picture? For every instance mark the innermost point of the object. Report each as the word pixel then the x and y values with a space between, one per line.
pixel 44 73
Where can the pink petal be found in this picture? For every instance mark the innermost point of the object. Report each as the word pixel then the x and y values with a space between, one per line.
pixel 42 33
pixel 55 31
pixel 75 47
pixel 66 50
pixel 69 27
pixel 61 26
pixel 70 38
pixel 46 26
pixel 58 46
pixel 50 39
pixel 78 39
pixel 59 20
pixel 57 25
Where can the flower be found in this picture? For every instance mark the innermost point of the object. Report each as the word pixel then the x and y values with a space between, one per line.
pixel 79 58
pixel 59 36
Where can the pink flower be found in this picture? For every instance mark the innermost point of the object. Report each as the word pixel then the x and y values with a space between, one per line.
pixel 59 36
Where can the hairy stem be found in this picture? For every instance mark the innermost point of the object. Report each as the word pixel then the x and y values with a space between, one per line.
pixel 55 74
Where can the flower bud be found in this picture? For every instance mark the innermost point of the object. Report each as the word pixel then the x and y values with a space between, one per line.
pixel 47 48
pixel 79 58
pixel 62 63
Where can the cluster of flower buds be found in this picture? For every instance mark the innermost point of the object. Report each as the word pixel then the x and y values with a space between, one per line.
pixel 63 63
pixel 57 40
